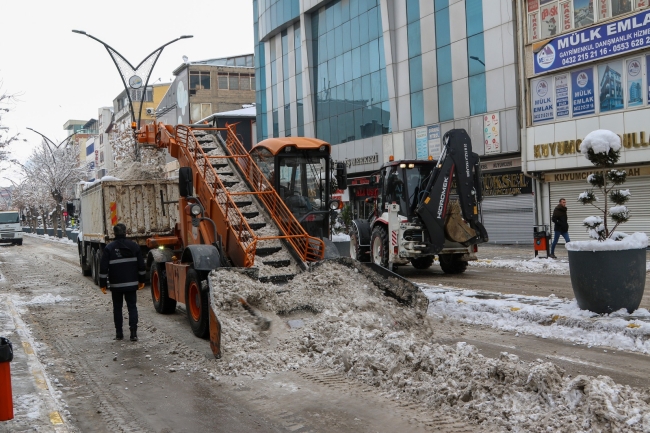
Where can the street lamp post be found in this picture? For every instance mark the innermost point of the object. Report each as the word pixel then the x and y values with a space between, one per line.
pixel 48 141
pixel 134 76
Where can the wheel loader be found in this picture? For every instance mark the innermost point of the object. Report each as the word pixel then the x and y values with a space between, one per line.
pixel 425 208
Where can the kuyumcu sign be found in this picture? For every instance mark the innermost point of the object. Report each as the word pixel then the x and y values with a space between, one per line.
pixel 593 43
pixel 632 140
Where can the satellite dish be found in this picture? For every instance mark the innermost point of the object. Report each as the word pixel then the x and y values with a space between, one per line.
pixel 186 60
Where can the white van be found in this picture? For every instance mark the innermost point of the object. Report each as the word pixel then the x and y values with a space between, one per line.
pixel 10 229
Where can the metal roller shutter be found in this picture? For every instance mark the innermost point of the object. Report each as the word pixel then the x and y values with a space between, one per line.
pixel 639 206
pixel 509 219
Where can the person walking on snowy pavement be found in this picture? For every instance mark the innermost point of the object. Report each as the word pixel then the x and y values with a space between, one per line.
pixel 561 225
pixel 122 264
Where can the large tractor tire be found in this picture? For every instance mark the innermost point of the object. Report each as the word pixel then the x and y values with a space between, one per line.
pixel 159 292
pixel 422 262
pixel 357 252
pixel 379 246
pixel 451 264
pixel 85 269
pixel 197 305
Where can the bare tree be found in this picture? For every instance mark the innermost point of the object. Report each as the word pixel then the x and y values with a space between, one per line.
pixel 7 102
pixel 35 200
pixel 55 170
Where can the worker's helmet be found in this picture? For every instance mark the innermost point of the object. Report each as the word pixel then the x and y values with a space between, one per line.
pixel 119 230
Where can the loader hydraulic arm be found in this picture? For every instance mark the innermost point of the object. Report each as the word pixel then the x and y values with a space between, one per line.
pixel 456 161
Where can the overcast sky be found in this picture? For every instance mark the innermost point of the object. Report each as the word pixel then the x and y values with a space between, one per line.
pixel 62 75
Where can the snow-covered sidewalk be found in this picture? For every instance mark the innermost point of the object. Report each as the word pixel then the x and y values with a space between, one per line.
pixel 49 238
pixel 546 317
pixel 37 403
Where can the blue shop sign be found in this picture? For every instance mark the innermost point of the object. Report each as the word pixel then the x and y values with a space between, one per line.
pixel 582 92
pixel 598 42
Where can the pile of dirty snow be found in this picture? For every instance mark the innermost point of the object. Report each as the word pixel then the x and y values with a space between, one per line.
pixel 138 171
pixel 333 317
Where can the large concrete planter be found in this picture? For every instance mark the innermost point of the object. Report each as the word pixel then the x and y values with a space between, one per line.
pixel 72 235
pixel 39 231
pixel 606 281
pixel 343 247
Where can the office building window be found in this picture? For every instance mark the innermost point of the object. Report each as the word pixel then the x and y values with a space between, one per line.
pixel 199 111
pixel 349 60
pixel 199 80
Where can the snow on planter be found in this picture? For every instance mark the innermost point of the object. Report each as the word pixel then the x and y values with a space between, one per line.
pixel 634 241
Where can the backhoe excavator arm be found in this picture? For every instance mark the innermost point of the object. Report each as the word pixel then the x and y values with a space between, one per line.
pixel 456 160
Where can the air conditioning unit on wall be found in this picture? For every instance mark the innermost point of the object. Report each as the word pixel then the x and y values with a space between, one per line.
pixel 151 111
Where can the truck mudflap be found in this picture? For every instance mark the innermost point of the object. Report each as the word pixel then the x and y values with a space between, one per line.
pixel 204 257
pixel 391 283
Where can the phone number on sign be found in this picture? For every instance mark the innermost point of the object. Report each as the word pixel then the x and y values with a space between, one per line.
pixel 616 48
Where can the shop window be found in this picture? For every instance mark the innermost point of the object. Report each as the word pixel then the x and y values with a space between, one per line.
pixel 199 80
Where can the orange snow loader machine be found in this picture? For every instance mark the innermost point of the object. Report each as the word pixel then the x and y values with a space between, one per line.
pixel 225 203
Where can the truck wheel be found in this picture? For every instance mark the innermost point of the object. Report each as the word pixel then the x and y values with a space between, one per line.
pixel 379 246
pixel 85 270
pixel 422 262
pixel 93 266
pixel 159 293
pixel 19 242
pixel 197 305
pixel 357 252
pixel 98 260
pixel 451 264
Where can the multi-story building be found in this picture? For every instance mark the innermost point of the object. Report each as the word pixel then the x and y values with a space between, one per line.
pixel 377 78
pixel 204 87
pixel 587 74
pixel 105 157
pixel 84 132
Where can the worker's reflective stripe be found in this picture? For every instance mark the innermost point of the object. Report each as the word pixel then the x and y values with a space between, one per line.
pixel 142 272
pixel 132 283
pixel 131 259
pixel 103 275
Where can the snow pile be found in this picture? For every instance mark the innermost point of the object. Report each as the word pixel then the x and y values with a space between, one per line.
pixel 600 141
pixel 546 317
pixel 340 237
pixel 47 298
pixel 634 241
pixel 139 171
pixel 538 264
pixel 340 321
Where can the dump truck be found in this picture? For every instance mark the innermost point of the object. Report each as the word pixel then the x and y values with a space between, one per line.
pixel 415 217
pixel 135 203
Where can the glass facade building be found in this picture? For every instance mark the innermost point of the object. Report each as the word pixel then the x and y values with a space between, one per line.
pixel 374 78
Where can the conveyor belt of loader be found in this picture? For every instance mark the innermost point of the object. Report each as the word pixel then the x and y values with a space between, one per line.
pixel 256 227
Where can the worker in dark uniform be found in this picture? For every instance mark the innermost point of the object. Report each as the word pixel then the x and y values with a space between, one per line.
pixel 122 264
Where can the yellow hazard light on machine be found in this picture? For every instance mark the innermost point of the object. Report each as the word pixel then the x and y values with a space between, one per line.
pixel 391 158
pixel 430 158
pixel 134 125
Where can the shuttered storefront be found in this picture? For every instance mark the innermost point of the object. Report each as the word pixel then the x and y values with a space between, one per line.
pixel 507 207
pixel 509 219
pixel 639 206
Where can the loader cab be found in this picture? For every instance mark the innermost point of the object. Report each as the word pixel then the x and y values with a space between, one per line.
pixel 301 171
pixel 403 182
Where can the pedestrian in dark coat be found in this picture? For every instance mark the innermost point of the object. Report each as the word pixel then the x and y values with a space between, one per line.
pixel 123 266
pixel 561 225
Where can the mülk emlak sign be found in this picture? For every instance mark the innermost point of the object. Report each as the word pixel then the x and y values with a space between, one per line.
pixel 599 42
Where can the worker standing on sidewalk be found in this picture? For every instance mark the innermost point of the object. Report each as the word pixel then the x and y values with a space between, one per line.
pixel 561 225
pixel 122 264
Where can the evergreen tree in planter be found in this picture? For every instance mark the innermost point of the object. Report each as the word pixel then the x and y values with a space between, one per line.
pixel 607 273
